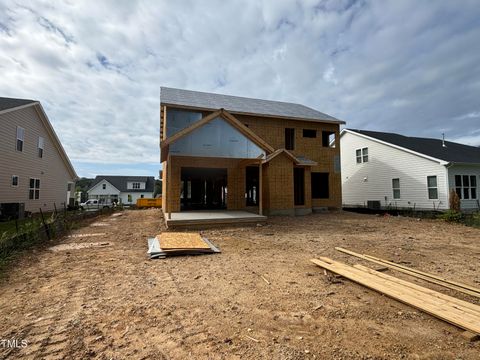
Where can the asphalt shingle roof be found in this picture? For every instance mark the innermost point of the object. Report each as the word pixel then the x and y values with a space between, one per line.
pixel 10 103
pixel 451 152
pixel 120 182
pixel 237 104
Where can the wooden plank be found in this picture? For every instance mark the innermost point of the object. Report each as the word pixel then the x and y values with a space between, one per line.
pixel 460 303
pixel 439 278
pixel 419 300
pixel 181 240
pixel 409 272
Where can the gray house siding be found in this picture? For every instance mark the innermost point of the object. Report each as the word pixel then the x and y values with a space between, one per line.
pixel 51 169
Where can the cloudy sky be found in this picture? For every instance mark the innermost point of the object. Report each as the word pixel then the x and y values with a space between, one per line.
pixel 411 67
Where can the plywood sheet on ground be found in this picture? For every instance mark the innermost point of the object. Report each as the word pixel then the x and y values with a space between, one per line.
pixel 181 240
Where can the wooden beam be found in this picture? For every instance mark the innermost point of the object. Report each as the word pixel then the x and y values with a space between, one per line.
pixel 260 190
pixel 192 127
pixel 409 271
pixel 448 311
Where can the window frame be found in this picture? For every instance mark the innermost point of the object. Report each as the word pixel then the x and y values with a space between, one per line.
pixel 471 191
pixel 289 138
pixel 309 133
pixel 396 189
pixel 40 149
pixel 104 186
pixel 12 182
pixel 432 187
pixel 34 191
pixel 316 191
pixel 361 155
pixel 20 138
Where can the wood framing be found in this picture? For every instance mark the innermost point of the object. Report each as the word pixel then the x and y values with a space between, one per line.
pixel 187 157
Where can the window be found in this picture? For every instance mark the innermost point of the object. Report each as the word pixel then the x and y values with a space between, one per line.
pixel 41 143
pixel 34 189
pixel 299 186
pixel 69 187
pixel 289 138
pixel 129 198
pixel 432 187
pixel 396 188
pixel 141 196
pixel 361 155
pixel 20 138
pixel 320 185
pixel 308 133
pixel 466 186
pixel 328 139
pixel 252 174
pixel 14 180
pixel 104 186
pixel 136 185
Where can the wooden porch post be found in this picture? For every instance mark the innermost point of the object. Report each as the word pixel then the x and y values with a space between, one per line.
pixel 169 185
pixel 260 189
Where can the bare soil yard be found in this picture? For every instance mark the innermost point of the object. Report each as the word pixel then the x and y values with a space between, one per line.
pixel 113 302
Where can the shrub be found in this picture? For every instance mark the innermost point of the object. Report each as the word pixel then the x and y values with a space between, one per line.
pixel 451 216
pixel 454 201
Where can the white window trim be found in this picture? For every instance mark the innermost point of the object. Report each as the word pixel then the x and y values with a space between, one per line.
pixel 363 154
pixel 394 188
pixel 469 187
pixel 35 189
pixel 18 179
pixel 41 146
pixel 432 187
pixel 21 138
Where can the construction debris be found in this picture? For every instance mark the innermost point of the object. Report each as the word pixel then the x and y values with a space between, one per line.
pixel 86 235
pixel 460 313
pixel 179 243
pixel 78 246
pixel 454 285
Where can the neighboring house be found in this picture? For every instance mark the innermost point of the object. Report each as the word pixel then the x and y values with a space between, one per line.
pixel 390 170
pixel 121 189
pixel 235 153
pixel 35 172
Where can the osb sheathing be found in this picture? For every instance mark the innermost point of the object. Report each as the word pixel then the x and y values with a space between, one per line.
pixel 277 175
pixel 272 130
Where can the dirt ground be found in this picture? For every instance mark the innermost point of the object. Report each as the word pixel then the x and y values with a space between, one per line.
pixel 113 302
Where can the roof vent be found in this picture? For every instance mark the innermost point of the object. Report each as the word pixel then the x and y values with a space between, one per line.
pixel 443 140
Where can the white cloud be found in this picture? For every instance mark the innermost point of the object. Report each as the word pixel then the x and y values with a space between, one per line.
pixel 97 66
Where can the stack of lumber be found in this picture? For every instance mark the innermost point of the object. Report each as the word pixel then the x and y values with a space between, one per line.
pixel 460 313
pixel 179 243
pixel 454 285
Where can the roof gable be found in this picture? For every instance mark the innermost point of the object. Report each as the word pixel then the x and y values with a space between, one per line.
pixel 241 105
pixel 229 118
pixel 430 148
pixel 12 103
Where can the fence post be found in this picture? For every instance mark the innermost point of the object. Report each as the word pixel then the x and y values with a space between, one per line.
pixel 45 225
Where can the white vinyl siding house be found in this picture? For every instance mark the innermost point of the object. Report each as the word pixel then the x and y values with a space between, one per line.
pixel 407 172
pixel 472 172
pixel 25 130
pixel 121 189
pixel 373 180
